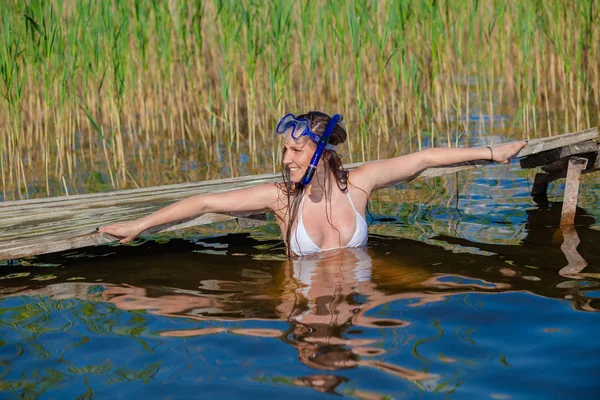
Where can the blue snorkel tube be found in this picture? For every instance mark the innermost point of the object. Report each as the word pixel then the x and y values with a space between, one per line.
pixel 312 167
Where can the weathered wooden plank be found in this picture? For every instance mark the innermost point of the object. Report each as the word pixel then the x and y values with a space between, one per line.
pixel 39 226
pixel 562 164
pixel 544 144
pixel 88 236
pixel 178 191
pixel 155 192
pixel 550 156
pixel 595 164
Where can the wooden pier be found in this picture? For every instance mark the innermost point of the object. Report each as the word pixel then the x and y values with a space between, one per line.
pixel 41 226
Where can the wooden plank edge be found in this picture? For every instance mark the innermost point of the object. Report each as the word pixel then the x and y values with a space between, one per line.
pixel 171 187
pixel 45 247
pixel 535 146
pixel 428 173
pixel 78 240
pixel 118 195
pixel 550 156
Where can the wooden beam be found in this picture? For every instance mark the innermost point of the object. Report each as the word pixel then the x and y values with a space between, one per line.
pixel 41 226
pixel 550 156
pixel 84 237
pixel 535 146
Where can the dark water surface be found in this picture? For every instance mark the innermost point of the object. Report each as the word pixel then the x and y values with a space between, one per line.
pixel 467 288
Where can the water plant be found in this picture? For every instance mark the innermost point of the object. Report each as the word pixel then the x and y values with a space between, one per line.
pixel 146 93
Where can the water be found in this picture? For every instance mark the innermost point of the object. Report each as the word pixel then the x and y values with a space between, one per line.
pixel 461 292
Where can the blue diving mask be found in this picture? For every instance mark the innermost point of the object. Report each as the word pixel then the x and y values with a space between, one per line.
pixel 300 127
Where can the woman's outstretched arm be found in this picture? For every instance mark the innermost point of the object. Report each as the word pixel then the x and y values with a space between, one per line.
pixel 257 198
pixel 380 174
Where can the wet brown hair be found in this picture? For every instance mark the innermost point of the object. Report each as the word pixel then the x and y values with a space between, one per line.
pixel 331 162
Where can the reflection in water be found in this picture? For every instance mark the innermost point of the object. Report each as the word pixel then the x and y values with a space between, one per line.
pixel 547 248
pixel 576 263
pixel 321 383
pixel 324 298
pixel 403 311
pixel 328 300
pixel 333 293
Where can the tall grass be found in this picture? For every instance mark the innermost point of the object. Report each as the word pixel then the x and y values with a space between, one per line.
pixel 100 95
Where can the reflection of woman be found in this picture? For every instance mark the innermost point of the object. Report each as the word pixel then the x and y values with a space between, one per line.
pixel 325 297
pixel 315 189
pixel 327 303
pixel 335 287
pixel 333 292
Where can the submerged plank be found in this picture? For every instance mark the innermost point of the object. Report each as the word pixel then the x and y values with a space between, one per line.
pixel 40 226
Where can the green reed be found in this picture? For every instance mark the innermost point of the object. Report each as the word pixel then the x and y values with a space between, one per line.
pixel 116 94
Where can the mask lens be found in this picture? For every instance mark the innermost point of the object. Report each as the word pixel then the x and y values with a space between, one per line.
pixel 298 126
pixel 283 124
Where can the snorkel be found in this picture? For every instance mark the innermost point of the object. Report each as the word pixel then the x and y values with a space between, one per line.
pixel 323 141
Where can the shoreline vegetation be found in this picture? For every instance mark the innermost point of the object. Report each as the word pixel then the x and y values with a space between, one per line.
pixel 105 95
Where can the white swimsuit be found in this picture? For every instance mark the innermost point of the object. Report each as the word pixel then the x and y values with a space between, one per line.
pixel 301 244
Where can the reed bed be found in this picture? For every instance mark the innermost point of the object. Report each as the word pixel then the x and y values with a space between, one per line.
pixel 102 95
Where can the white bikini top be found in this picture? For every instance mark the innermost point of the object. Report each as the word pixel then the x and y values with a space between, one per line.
pixel 301 244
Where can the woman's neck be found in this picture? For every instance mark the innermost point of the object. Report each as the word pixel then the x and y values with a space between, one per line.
pixel 321 183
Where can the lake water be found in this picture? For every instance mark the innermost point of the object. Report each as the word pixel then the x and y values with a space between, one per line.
pixel 462 291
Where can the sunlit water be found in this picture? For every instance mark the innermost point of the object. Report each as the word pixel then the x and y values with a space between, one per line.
pixel 461 291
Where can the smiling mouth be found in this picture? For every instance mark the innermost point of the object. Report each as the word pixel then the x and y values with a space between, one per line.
pixel 294 169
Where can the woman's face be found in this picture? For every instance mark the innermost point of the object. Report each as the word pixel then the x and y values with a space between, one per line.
pixel 297 156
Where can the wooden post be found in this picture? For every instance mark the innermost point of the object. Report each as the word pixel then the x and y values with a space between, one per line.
pixel 576 165
pixel 539 191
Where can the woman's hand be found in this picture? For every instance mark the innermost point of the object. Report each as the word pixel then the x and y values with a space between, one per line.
pixel 127 230
pixel 504 152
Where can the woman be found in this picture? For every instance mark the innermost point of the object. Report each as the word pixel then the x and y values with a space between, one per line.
pixel 303 201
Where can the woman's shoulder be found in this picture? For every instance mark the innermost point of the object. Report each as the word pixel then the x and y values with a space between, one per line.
pixel 267 194
pixel 285 188
pixel 286 192
pixel 358 181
